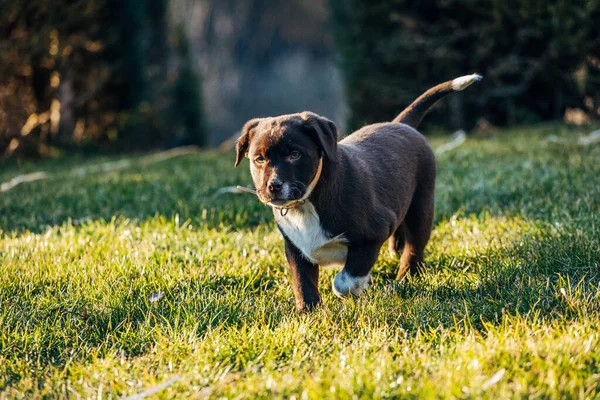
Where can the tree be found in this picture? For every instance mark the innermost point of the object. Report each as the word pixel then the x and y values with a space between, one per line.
pixel 537 57
pixel 90 74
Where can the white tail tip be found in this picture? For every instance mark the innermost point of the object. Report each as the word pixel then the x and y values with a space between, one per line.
pixel 464 82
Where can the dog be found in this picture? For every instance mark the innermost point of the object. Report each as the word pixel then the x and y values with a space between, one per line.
pixel 337 203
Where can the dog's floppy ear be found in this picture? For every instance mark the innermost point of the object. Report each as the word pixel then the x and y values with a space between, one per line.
pixel 241 146
pixel 323 132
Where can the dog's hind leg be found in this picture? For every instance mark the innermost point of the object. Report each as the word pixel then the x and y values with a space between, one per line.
pixel 396 241
pixel 418 225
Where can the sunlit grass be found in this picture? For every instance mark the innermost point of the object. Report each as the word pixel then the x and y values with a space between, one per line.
pixel 509 305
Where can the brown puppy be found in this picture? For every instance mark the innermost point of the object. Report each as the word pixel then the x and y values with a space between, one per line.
pixel 337 203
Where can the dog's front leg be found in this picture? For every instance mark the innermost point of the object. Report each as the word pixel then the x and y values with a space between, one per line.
pixel 305 278
pixel 356 275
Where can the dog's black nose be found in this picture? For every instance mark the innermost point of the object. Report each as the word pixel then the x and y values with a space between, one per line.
pixel 274 186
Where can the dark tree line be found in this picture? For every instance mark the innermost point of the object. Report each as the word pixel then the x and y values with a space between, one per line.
pixel 122 74
pixel 538 57
pixel 109 74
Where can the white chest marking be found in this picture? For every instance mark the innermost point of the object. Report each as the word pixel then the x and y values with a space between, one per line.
pixel 303 227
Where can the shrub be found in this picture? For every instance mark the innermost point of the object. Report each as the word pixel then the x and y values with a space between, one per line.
pixel 537 57
pixel 79 74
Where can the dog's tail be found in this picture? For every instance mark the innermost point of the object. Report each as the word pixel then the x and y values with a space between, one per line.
pixel 414 113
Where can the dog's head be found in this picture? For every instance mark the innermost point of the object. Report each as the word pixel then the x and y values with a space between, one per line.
pixel 285 154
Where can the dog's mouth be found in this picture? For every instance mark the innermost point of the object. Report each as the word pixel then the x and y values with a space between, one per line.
pixel 286 199
pixel 282 203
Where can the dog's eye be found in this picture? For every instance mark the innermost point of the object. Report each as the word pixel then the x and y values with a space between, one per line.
pixel 259 160
pixel 294 155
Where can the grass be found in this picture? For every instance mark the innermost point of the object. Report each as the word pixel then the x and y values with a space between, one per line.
pixel 509 305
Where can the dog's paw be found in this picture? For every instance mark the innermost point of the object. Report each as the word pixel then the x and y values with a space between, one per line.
pixel 307 305
pixel 345 284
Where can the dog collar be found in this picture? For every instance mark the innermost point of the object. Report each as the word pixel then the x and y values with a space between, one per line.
pixel 284 210
pixel 314 182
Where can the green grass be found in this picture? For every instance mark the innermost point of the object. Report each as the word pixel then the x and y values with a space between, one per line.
pixel 509 305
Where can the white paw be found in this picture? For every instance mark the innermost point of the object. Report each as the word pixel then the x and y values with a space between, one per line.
pixel 464 82
pixel 345 284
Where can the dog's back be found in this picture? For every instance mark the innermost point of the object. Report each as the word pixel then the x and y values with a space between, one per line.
pixel 390 162
pixel 395 167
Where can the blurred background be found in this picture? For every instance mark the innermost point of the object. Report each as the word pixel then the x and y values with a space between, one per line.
pixel 134 75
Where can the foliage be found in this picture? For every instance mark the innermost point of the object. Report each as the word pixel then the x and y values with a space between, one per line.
pixel 187 100
pixel 79 74
pixel 537 57
pixel 508 306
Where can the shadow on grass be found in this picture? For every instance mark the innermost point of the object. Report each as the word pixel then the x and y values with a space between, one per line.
pixel 556 276
pixel 510 181
pixel 496 177
pixel 184 188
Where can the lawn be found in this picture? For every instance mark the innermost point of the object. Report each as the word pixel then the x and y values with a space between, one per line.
pixel 509 305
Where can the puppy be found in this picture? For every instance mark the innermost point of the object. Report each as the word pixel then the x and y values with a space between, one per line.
pixel 337 203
